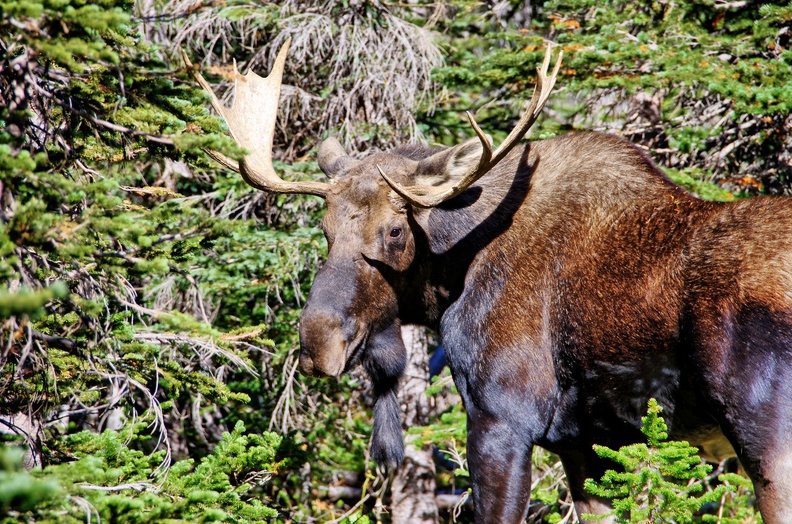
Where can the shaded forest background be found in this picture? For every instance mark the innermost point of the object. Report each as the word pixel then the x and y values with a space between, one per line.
pixel 149 299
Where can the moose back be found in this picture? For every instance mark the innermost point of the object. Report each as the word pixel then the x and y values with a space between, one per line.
pixel 570 282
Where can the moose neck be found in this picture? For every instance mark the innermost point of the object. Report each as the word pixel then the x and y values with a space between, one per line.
pixel 451 236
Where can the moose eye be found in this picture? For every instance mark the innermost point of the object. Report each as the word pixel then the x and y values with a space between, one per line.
pixel 395 232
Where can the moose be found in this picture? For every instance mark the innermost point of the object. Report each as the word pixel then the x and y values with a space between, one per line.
pixel 570 282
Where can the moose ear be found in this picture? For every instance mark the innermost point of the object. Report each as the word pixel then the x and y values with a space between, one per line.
pixel 449 165
pixel 332 158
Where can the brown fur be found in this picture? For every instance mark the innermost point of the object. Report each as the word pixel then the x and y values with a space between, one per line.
pixel 570 284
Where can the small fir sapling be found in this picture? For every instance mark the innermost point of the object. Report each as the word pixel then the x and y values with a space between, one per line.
pixel 660 481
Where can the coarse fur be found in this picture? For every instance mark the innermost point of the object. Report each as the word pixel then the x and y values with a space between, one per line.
pixel 569 285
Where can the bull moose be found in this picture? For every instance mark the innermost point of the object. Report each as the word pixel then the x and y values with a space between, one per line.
pixel 570 281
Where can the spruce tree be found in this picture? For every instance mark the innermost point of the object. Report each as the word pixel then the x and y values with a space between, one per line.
pixel 661 480
pixel 704 86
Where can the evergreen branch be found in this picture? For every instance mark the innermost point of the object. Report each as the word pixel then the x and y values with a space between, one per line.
pixel 158 139
pixel 721 4
pixel 136 486
pixel 208 346
pixel 173 237
pixel 171 17
pixel 68 345
pixel 67 105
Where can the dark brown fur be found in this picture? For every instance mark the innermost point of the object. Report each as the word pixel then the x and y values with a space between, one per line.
pixel 569 285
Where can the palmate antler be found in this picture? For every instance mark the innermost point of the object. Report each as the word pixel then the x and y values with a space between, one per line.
pixel 427 196
pixel 251 121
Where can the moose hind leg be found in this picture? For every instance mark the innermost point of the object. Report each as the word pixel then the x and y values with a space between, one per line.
pixel 579 466
pixel 762 437
pixel 774 490
pixel 746 375
pixel 761 433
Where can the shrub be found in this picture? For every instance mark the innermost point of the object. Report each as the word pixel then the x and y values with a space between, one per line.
pixel 662 481
pixel 115 482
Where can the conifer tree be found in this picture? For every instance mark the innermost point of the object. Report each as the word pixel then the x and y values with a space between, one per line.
pixel 87 107
pixel 661 480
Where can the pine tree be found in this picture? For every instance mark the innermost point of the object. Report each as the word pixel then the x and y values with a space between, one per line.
pixel 112 482
pixel 705 86
pixel 661 480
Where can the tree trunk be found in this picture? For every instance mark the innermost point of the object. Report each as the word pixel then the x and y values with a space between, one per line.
pixel 30 428
pixel 413 490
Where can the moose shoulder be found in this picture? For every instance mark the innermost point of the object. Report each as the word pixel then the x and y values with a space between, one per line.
pixel 570 282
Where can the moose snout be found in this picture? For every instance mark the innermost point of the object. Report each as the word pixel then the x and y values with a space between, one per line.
pixel 323 343
pixel 306 363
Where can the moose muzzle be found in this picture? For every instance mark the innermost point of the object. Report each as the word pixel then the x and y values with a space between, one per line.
pixel 329 343
pixel 322 343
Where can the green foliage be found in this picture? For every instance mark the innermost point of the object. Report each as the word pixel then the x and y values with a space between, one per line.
pixel 20 491
pixel 449 431
pixel 703 85
pixel 26 302
pixel 661 480
pixel 693 181
pixel 135 288
pixel 356 518
pixel 116 483
pixel 737 505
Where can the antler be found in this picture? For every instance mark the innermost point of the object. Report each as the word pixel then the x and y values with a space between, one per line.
pixel 430 196
pixel 251 121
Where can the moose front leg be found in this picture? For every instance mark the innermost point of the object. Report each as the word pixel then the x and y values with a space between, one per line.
pixel 500 469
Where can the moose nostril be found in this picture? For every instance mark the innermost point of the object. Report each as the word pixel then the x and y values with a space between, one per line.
pixel 306 364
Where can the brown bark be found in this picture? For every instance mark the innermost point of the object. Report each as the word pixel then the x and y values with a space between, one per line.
pixel 413 490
